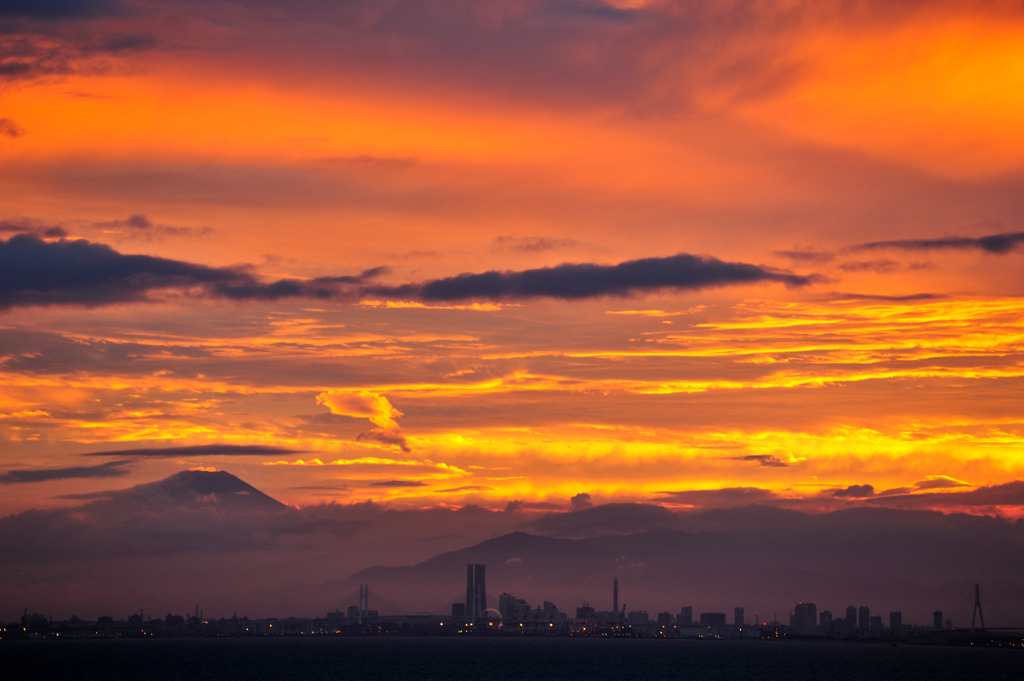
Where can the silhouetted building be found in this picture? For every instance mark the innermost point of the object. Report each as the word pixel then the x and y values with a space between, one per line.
pixel 512 609
pixel 737 617
pixel 875 623
pixel 585 612
pixel 805 616
pixel 864 617
pixel 825 620
pixel 937 619
pixel 476 592
pixel 851 618
pixel 615 595
pixel 713 619
pixel 664 619
pixel 548 613
pixel 638 617
pixel 685 616
pixel 896 620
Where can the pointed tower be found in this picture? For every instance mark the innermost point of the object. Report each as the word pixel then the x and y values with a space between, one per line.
pixel 977 608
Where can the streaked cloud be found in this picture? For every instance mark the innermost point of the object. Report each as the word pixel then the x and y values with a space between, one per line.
pixel 532 244
pixel 574 281
pixel 197 450
pixel 111 469
pixel 1006 242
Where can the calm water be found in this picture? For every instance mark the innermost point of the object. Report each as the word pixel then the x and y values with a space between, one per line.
pixel 311 659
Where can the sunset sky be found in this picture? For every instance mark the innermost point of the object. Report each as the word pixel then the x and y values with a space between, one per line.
pixel 550 252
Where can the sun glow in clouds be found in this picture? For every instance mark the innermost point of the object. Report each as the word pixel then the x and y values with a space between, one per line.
pixel 632 248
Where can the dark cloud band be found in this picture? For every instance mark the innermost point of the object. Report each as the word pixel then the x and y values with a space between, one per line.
pixel 575 281
pixel 198 450
pixel 111 469
pixel 79 272
pixel 993 243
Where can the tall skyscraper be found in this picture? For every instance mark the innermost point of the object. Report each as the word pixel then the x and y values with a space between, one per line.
pixel 615 595
pixel 825 620
pixel 851 618
pixel 937 619
pixel 864 618
pixel 737 617
pixel 805 616
pixel 476 592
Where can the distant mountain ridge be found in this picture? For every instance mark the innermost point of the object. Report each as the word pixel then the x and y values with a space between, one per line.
pixel 217 490
pixel 888 559
pixel 210 537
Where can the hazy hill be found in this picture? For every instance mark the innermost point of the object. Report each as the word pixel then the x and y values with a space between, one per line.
pixel 887 559
pixel 210 539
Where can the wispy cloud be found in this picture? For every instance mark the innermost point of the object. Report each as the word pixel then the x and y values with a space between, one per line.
pixel 993 243
pixel 765 460
pixel 532 244
pixel 59 9
pixel 34 227
pixel 1009 494
pixel 198 450
pixel 807 256
pixel 9 128
pixel 111 469
pixel 140 226
pixel 725 497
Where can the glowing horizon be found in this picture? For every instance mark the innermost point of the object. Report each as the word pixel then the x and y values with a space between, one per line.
pixel 516 252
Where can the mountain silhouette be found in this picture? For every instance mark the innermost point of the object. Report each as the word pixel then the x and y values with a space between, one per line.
pixel 887 559
pixel 192 489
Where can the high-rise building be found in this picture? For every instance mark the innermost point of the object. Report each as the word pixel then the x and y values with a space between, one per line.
pixel 476 592
pixel 805 616
pixel 713 619
pixel 638 617
pixel 937 619
pixel 896 620
pixel 685 617
pixel 851 618
pixel 615 595
pixel 512 609
pixel 864 617
pixel 825 620
pixel 737 617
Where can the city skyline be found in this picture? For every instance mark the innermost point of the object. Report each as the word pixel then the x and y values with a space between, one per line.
pixel 212 539
pixel 512 613
pixel 408 278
